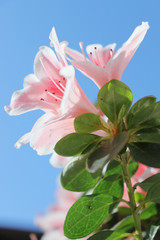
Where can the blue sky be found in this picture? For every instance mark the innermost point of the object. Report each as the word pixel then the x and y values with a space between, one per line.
pixel 28 181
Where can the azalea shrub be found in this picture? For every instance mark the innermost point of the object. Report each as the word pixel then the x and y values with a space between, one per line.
pixel 110 153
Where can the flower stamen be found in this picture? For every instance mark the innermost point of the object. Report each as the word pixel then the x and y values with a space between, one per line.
pixel 111 52
pixel 54 95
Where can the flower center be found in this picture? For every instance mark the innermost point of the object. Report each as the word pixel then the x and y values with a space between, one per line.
pixel 54 91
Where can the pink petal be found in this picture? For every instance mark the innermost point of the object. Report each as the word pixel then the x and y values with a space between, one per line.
pixel 52 65
pixel 59 48
pixel 74 101
pixel 92 71
pixel 30 98
pixel 43 89
pixel 74 54
pixel 120 60
pixel 47 131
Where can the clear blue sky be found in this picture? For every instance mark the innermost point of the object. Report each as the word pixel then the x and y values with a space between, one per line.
pixel 28 181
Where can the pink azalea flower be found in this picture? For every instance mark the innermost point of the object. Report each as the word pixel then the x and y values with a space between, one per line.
pixel 54 89
pixel 52 222
pixel 103 64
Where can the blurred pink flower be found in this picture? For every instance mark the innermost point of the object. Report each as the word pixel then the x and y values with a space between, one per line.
pixel 103 64
pixel 52 222
pixel 54 89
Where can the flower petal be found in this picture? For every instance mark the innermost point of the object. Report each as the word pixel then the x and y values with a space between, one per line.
pixel 74 101
pixel 121 58
pixel 23 140
pixel 92 71
pixel 58 161
pixel 46 64
pixel 59 48
pixel 48 130
pixel 75 54
pixel 30 97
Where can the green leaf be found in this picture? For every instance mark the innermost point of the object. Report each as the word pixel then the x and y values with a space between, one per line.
pixel 153 194
pixel 132 167
pixel 120 117
pixel 151 135
pixel 152 232
pixel 146 153
pixel 149 211
pixel 87 214
pixel 139 197
pixel 137 107
pixel 124 211
pixel 112 185
pixel 107 152
pixel 147 117
pixel 75 143
pixel 109 235
pixel 112 97
pixel 87 123
pixel 114 167
pixel 149 182
pixel 127 224
pixel 75 176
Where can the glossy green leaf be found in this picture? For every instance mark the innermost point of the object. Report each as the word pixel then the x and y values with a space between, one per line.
pixel 152 232
pixel 114 167
pixel 109 235
pixel 75 176
pixel 75 143
pixel 153 194
pixel 107 152
pixel 138 106
pixel 112 96
pixel 151 135
pixel 87 123
pixel 87 214
pixel 149 182
pixel 147 117
pixel 149 211
pixel 121 114
pixel 112 185
pixel 146 153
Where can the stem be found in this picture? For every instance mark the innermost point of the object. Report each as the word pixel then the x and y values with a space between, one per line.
pixel 133 207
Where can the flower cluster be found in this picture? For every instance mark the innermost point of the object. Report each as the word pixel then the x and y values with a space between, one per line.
pixel 54 89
